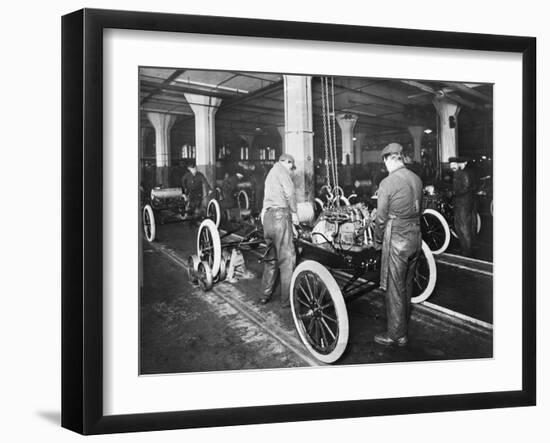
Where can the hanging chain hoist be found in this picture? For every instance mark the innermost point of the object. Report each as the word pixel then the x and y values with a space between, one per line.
pixel 329 132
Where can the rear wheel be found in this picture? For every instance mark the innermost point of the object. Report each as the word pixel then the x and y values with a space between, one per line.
pixel 204 275
pixel 149 225
pixel 209 245
pixel 213 212
pixel 319 311
pixel 425 276
pixel 192 268
pixel 435 231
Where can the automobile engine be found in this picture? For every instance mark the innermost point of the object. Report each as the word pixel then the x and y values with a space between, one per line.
pixel 345 227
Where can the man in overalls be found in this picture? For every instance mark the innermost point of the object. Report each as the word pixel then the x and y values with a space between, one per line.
pixel 465 213
pixel 196 187
pixel 279 214
pixel 397 233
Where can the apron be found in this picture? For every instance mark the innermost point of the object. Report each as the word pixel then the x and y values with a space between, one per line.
pixel 386 243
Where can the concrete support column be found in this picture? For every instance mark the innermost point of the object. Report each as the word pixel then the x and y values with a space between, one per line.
pixel 163 124
pixel 416 134
pixel 299 132
pixel 282 133
pixel 205 108
pixel 448 136
pixel 347 123
pixel 360 137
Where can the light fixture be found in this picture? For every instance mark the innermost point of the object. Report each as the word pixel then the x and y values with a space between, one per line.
pixel 427 131
pixel 354 139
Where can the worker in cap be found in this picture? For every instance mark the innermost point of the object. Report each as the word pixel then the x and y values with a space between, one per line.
pixel 392 148
pixel 196 187
pixel 465 206
pixel 397 234
pixel 279 214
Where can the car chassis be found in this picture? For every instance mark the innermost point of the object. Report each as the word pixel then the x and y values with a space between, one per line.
pixel 318 301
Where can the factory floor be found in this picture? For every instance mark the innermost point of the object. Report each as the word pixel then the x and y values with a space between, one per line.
pixel 183 329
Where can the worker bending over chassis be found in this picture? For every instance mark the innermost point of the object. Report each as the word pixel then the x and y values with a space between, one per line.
pixel 279 214
pixel 398 234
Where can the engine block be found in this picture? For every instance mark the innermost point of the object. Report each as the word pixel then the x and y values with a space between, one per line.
pixel 345 226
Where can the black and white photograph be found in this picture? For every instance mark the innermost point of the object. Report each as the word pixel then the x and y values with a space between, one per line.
pixel 248 222
pixel 295 220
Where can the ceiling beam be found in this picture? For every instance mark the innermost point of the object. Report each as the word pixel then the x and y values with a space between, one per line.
pixel 185 89
pixel 168 80
pixel 441 93
pixel 470 91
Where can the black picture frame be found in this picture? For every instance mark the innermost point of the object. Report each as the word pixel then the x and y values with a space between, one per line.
pixel 82 230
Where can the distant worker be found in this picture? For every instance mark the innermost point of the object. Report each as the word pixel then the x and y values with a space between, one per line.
pixel 195 187
pixel 397 233
pixel 230 188
pixel 465 214
pixel 279 214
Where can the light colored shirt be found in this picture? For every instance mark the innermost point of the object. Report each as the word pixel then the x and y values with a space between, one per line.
pixel 279 189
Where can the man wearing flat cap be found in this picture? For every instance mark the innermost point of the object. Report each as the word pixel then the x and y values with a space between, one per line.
pixel 397 233
pixel 279 214
pixel 465 211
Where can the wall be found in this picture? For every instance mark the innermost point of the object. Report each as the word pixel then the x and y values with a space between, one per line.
pixel 30 327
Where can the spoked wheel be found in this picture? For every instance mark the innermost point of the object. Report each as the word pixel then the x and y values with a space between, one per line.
pixel 319 311
pixel 204 275
pixel 243 200
pixel 209 245
pixel 149 225
pixel 192 268
pixel 435 231
pixel 213 212
pixel 425 277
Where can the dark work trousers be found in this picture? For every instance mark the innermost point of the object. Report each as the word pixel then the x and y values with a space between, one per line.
pixel 465 221
pixel 281 256
pixel 403 252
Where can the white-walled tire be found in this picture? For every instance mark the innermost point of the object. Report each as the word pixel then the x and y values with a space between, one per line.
pixel 213 212
pixel 149 225
pixel 209 245
pixel 319 311
pixel 204 276
pixel 242 200
pixel 192 268
pixel 435 231
pixel 425 277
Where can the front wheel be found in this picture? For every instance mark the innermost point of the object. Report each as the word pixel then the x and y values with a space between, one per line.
pixel 209 245
pixel 149 225
pixel 425 275
pixel 319 311
pixel 435 231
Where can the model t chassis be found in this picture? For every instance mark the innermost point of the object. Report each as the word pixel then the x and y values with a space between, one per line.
pixel 318 300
